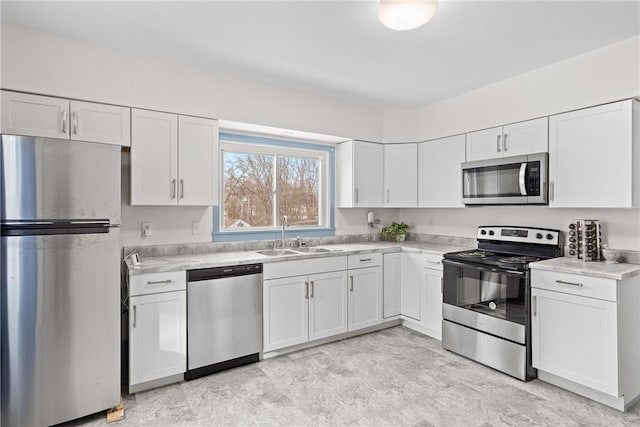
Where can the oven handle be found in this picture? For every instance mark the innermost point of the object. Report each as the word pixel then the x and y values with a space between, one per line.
pixel 523 172
pixel 477 267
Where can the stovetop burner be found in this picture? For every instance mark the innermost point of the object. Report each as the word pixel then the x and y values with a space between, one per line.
pixel 519 259
pixel 476 254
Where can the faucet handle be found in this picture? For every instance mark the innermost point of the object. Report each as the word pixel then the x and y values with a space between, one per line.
pixel 285 221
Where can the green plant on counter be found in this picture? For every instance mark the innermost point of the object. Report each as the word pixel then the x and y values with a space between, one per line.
pixel 395 231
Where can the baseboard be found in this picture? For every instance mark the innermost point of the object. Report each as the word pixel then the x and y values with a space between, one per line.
pixel 383 325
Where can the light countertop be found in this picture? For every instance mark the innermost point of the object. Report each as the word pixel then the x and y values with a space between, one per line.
pixel 220 259
pixel 590 268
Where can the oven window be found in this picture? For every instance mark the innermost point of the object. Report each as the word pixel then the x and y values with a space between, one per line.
pixel 496 294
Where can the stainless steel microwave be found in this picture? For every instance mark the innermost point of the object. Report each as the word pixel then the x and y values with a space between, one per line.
pixel 517 180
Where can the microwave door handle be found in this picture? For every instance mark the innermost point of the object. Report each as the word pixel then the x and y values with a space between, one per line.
pixel 521 179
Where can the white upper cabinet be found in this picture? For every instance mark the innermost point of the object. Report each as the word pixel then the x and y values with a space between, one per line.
pixel 100 123
pixel 511 140
pixel 154 158
pixel 34 115
pixel 174 159
pixel 593 157
pixel 49 117
pixel 401 175
pixel 439 175
pixel 359 174
pixel 197 161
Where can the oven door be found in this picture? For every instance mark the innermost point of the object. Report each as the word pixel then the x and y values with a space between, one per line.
pixel 488 299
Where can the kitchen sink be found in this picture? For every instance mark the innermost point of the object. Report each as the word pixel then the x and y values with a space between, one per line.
pixel 308 250
pixel 276 252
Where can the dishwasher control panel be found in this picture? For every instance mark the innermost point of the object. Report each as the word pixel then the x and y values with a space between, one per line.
pixel 218 272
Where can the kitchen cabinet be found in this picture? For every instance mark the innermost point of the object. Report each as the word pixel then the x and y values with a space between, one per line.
pixel 431 310
pixel 157 328
pixel 401 175
pixel 392 271
pixel 515 139
pixel 411 278
pixel 304 307
pixel 594 157
pixel 365 290
pixel 359 174
pixel 174 160
pixel 50 117
pixel 584 335
pixel 439 172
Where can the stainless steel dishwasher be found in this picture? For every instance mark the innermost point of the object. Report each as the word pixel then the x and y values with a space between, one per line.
pixel 224 320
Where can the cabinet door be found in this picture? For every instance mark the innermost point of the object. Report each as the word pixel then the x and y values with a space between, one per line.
pixel 327 304
pixel 365 297
pixel 391 284
pixel 431 315
pixel 286 312
pixel 439 172
pixel 157 336
pixel 34 115
pixel 527 137
pixel 401 175
pixel 575 338
pixel 154 158
pixel 591 157
pixel 198 161
pixel 107 124
pixel 484 144
pixel 368 160
pixel 411 276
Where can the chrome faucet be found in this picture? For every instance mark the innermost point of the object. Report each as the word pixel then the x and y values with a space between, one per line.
pixel 285 223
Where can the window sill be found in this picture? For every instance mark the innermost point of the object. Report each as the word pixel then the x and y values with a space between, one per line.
pixel 292 233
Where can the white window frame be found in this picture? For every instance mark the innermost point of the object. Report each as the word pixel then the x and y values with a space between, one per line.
pixel 275 150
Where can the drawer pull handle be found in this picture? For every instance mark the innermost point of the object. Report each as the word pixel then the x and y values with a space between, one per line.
pixel 135 315
pixel 159 282
pixel 366 259
pixel 562 282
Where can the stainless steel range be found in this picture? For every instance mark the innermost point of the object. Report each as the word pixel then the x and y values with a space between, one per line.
pixel 486 302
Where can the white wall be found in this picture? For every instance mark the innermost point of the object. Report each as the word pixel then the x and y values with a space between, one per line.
pixel 600 76
pixel 43 63
pixel 603 75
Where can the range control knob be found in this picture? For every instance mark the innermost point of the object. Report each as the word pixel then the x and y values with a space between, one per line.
pixel 483 232
pixel 572 253
pixel 549 236
pixel 491 233
pixel 539 236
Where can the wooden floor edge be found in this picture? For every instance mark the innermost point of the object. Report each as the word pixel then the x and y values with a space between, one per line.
pixel 116 413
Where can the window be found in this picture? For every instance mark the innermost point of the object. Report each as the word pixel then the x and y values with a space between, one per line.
pixel 264 179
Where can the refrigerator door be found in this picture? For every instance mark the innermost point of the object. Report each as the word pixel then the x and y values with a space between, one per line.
pixel 45 178
pixel 60 326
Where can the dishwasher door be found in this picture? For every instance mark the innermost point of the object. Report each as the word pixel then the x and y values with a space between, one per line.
pixel 224 319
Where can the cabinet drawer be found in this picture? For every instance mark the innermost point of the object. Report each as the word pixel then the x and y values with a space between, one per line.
pixel 154 283
pixel 432 261
pixel 275 270
pixel 365 260
pixel 575 284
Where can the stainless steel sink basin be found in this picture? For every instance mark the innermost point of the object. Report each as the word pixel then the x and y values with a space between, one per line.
pixel 308 250
pixel 276 252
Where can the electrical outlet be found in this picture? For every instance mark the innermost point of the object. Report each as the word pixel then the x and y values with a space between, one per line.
pixel 195 227
pixel 146 229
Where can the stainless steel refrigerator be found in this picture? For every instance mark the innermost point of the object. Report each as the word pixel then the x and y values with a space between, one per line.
pixel 60 264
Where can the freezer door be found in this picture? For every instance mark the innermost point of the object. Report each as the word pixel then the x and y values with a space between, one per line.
pixel 44 178
pixel 60 323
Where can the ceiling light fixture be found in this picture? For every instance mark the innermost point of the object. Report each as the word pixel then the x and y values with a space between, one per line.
pixel 402 15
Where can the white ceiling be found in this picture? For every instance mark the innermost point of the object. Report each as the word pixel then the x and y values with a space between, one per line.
pixel 338 48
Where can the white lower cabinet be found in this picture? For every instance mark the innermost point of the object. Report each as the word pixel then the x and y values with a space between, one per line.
pixel 431 311
pixel 157 336
pixel 391 295
pixel 303 308
pixel 365 297
pixel 584 335
pixel 411 278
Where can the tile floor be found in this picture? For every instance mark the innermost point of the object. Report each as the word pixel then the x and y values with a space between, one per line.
pixel 394 377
